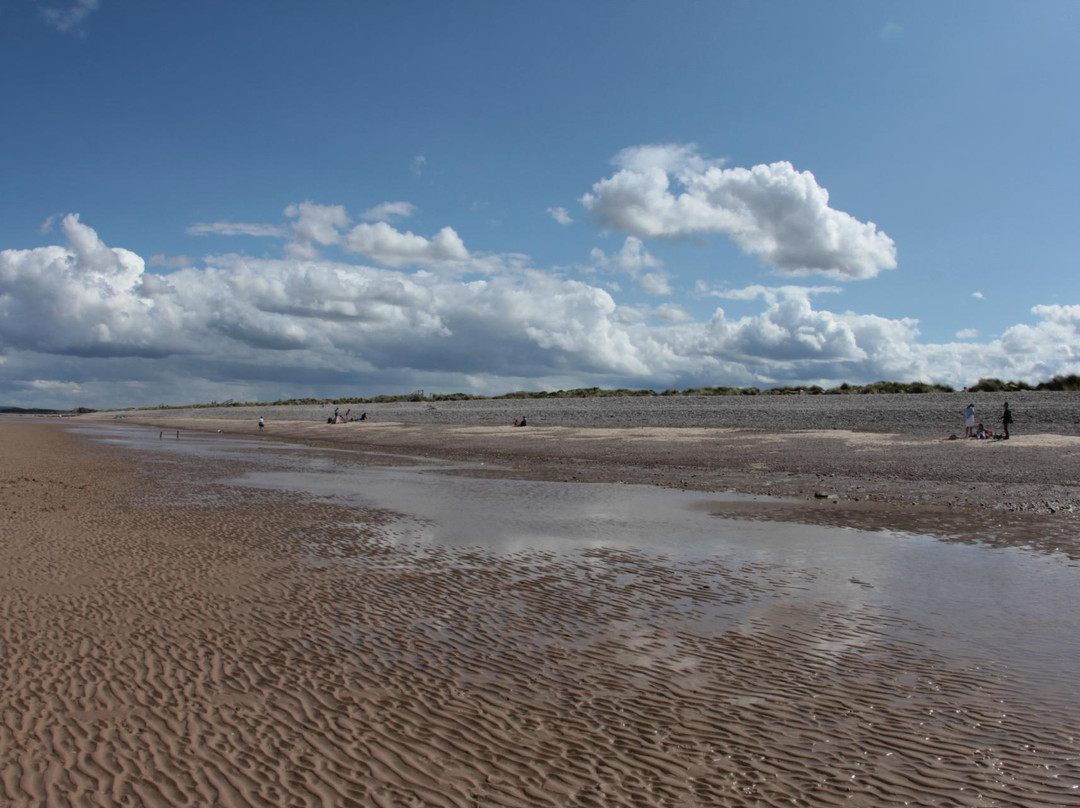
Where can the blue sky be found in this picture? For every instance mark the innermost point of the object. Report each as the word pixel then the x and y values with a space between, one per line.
pixel 204 201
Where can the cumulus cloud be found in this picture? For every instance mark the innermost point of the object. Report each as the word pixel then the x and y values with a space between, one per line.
pixel 772 211
pixel 387 211
pixel 967 333
pixel 977 295
pixel 671 158
pixel 70 18
pixel 318 224
pixel 561 215
pixel 790 329
pixel 82 300
pixel 85 323
pixel 392 248
pixel 633 259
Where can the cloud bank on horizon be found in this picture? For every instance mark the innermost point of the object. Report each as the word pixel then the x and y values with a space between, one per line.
pixel 357 304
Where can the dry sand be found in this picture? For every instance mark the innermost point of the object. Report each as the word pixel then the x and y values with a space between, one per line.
pixel 169 640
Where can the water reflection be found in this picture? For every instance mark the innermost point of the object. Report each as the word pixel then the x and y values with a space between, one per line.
pixel 999 604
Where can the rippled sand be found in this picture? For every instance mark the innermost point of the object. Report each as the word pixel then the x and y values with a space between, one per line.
pixel 165 640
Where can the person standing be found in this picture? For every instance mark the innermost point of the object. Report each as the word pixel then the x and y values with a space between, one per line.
pixel 969 421
pixel 262 423
pixel 1006 419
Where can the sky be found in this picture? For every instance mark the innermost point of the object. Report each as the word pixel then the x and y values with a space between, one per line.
pixel 204 201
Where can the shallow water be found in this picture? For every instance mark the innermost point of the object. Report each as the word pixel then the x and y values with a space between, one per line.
pixel 773 657
pixel 1007 606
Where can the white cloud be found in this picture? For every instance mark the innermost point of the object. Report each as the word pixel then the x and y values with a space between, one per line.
pixel 671 158
pixel 772 211
pixel 977 295
pixel 417 166
pixel 91 316
pixel 236 229
pixel 392 248
pixel 561 215
pixel 386 211
pixel 318 224
pixel 70 18
pixel 672 313
pixel 74 300
pixel 790 330
pixel 633 259
pixel 967 333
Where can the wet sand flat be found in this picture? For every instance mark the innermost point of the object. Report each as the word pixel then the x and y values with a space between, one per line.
pixel 861 461
pixel 215 621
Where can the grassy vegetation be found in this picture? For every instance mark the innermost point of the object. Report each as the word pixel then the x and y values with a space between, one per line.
pixel 1070 382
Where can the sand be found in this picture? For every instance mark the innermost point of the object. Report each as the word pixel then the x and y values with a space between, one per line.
pixel 864 461
pixel 167 638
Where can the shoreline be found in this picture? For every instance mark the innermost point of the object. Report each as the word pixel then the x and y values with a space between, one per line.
pixel 1022 493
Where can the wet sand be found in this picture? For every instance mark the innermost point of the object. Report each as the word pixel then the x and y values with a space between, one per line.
pixel 223 621
pixel 883 462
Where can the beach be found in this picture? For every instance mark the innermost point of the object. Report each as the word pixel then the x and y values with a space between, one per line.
pixel 619 608
pixel 864 461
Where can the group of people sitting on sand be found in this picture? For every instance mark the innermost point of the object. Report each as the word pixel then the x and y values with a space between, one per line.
pixel 337 418
pixel 980 431
pixel 522 421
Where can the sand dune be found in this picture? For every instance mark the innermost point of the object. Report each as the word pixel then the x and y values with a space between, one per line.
pixel 169 641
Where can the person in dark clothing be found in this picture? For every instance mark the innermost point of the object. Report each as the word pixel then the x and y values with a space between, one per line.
pixel 1006 420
